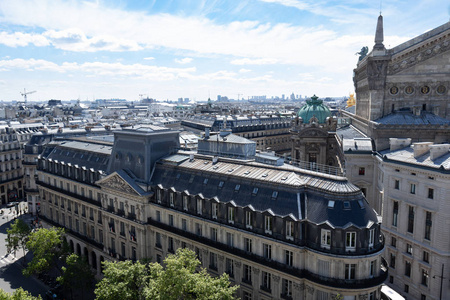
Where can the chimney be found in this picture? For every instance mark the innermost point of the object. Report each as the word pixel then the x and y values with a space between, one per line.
pixel 421 148
pixel 437 151
pixel 396 143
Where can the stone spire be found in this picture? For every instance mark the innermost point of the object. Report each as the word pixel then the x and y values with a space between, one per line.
pixel 379 49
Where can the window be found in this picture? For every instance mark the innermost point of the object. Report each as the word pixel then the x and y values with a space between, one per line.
pixel 423 297
pixel 213 261
pixel 214 210
pixel 397 184
pixel 185 202
pixel 350 241
pixel 267 251
pixel 158 216
pixel 287 288
pixel 288 257
pixel 428 226
pixel 391 279
pixel 158 240
pixel 246 295
pixel 373 265
pixel 394 242
pixel 325 240
pixel 255 191
pixel 426 256
pixel 395 214
pixel 122 249
pixel 407 268
pixel 247 276
pixel 350 271
pixel 100 235
pixel 371 237
pixel 199 206
pixel 158 196
pixel 229 267
pixel 268 224
pixel 170 247
pixel 430 193
pixel 406 289
pixel 248 244
pixel 409 249
pixel 266 279
pixel 290 230
pixel 221 183
pixel 230 239
pixel 425 277
pixel 231 215
pixel 198 229
pixel 184 224
pixel 362 171
pixel 213 233
pixel 237 187
pixel 413 188
pixel 171 201
pixel 122 229
pixel 392 261
pixel 411 219
pixel 171 220
pixel 205 181
pixel 248 219
pixel 274 195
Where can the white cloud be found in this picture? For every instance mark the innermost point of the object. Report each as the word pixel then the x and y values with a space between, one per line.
pixel 244 70
pixel 20 39
pixel 149 58
pixel 183 61
pixel 255 61
pixel 96 68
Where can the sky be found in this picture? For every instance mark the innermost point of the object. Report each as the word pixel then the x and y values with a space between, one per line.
pixel 196 49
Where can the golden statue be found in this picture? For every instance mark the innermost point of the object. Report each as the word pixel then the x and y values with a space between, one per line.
pixel 351 101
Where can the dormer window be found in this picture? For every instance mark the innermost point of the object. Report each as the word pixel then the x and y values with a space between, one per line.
pixel 171 201
pixel 205 182
pixel 346 205
pixel 274 195
pixel 290 230
pixel 268 224
pixel 231 212
pixel 221 184
pixel 237 187
pixel 330 204
pixel 255 191
pixel 350 241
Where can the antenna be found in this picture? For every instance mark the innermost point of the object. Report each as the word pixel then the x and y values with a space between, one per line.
pixel 381 4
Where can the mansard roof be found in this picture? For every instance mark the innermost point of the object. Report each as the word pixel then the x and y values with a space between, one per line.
pixel 283 192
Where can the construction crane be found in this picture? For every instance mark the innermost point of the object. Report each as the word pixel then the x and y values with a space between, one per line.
pixel 25 93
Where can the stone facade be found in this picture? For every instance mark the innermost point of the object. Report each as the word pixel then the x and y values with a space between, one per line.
pixel 242 218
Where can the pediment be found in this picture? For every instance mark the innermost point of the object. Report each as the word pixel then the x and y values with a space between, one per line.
pixel 432 55
pixel 116 182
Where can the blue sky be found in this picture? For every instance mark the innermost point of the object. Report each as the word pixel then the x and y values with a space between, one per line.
pixel 168 49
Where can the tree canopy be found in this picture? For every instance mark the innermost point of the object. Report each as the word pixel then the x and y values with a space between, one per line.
pixel 181 278
pixel 76 275
pixel 17 236
pixel 18 294
pixel 47 247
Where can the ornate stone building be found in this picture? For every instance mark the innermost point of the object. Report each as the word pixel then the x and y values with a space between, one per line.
pixel 280 232
pixel 313 135
pixel 403 92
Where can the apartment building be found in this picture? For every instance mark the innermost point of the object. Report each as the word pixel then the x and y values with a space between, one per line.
pixel 415 187
pixel 278 231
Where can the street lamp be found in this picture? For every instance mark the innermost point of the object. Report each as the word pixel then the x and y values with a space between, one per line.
pixel 442 279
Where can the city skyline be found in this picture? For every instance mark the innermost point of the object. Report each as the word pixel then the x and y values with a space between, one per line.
pixel 171 49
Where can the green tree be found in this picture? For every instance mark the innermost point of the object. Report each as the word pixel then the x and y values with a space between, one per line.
pixel 179 279
pixel 47 247
pixel 18 294
pixel 17 236
pixel 77 275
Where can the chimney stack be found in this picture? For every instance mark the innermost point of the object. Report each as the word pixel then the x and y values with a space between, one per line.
pixel 398 143
pixel 421 148
pixel 437 151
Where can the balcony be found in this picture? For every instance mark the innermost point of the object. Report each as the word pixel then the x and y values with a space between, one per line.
pixel 68 193
pixel 301 273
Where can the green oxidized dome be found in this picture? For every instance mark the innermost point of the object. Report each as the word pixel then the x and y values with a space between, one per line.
pixel 314 108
